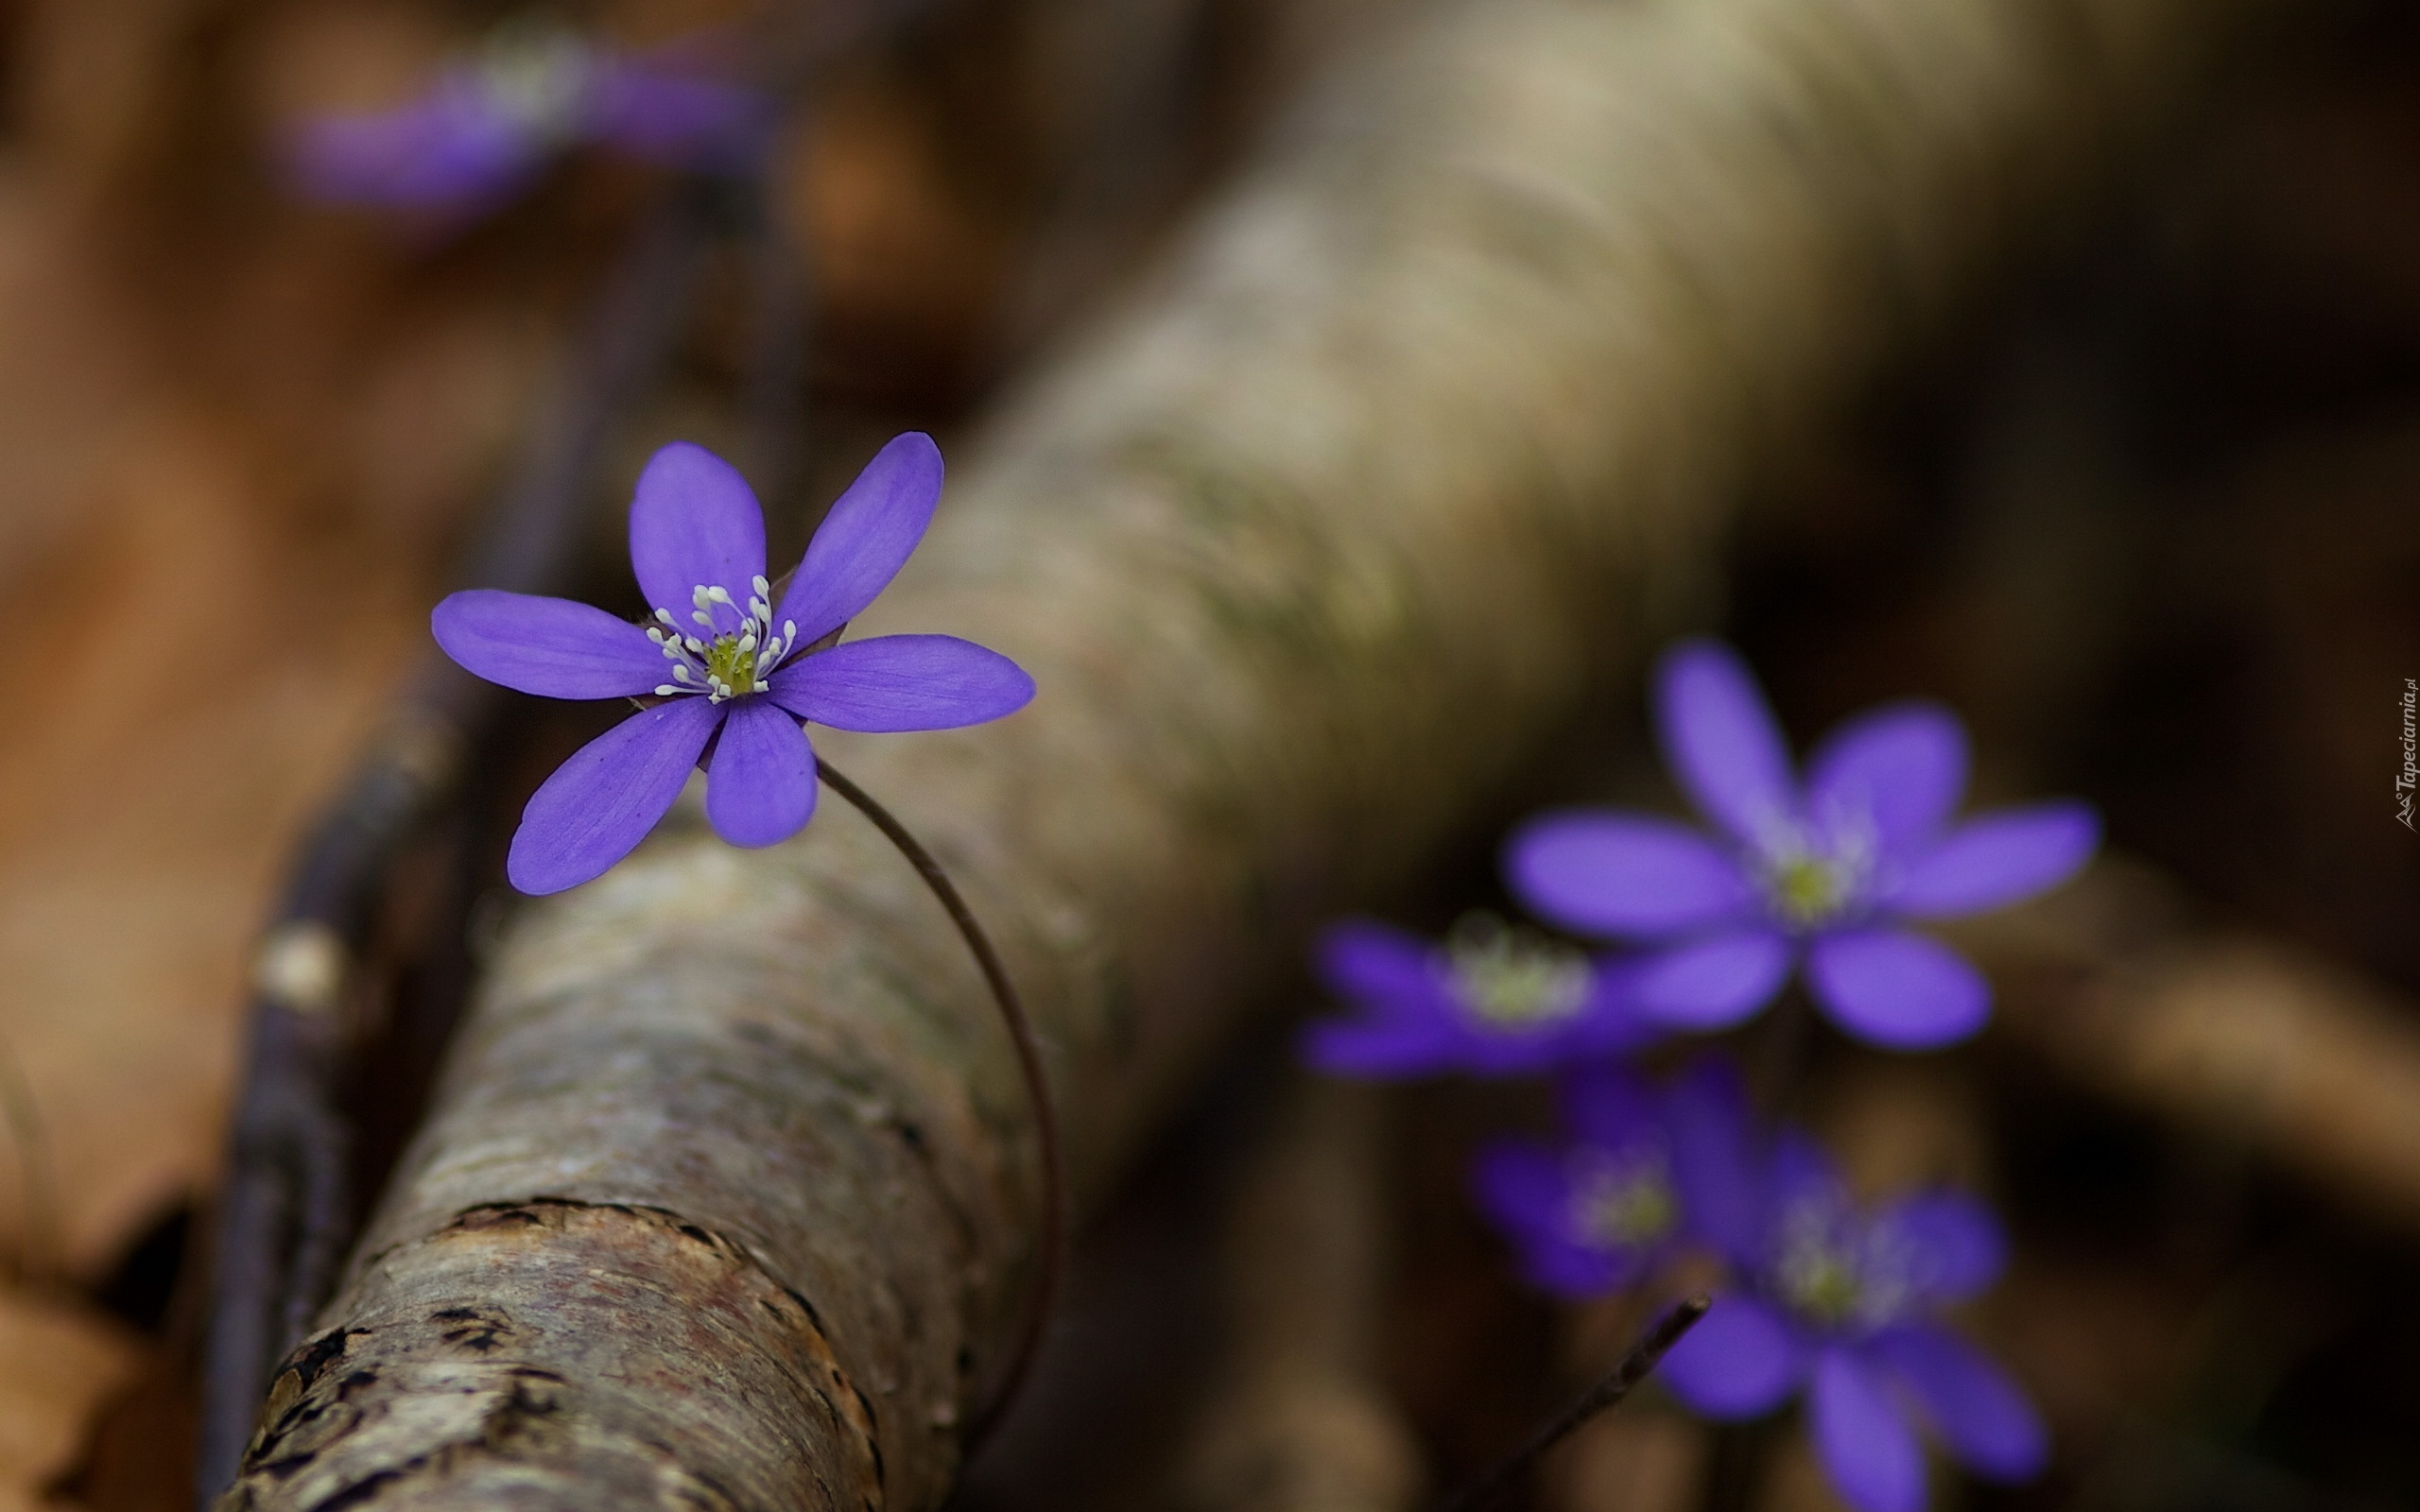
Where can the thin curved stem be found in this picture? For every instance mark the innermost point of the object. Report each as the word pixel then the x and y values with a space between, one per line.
pixel 1046 1119
pixel 1607 1393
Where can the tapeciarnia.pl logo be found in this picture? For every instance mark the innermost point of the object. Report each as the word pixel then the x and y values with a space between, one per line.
pixel 2409 777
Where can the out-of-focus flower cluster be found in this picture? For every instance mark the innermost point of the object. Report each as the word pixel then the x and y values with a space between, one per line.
pixel 1821 1299
pixel 492 119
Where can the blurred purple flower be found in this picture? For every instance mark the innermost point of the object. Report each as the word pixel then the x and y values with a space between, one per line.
pixel 1492 1000
pixel 1840 1303
pixel 1598 1210
pixel 1831 868
pixel 742 673
pixel 489 124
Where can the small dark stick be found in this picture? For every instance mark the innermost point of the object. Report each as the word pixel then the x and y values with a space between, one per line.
pixel 1045 1120
pixel 1605 1394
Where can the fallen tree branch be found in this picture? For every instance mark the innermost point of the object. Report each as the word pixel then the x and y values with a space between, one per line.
pixel 1045 1118
pixel 2249 1041
pixel 288 1209
pixel 730 1195
pixel 1300 1421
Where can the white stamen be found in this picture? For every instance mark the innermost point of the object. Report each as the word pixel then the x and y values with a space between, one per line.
pixel 717 595
pixel 704 618
pixel 665 690
pixel 682 673
pixel 764 589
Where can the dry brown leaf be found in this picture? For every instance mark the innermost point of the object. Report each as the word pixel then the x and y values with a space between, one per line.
pixel 56 1363
pixel 224 676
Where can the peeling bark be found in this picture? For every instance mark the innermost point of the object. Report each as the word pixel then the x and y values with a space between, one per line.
pixel 447 1405
pixel 1432 428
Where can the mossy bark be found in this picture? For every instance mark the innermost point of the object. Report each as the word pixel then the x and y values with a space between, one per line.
pixel 1434 425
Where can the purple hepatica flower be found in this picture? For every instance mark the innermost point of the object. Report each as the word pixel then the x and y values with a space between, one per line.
pixel 488 125
pixel 1833 866
pixel 1492 1000
pixel 1596 1211
pixel 734 673
pixel 1840 1303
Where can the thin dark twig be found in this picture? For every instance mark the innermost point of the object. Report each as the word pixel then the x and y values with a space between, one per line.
pixel 38 1223
pixel 1046 1119
pixel 1606 1394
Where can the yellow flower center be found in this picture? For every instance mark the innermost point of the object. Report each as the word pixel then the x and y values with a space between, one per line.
pixel 1822 1285
pixel 538 76
pixel 732 662
pixel 1620 1206
pixel 1806 888
pixel 1836 1277
pixel 1514 979
pixel 1814 874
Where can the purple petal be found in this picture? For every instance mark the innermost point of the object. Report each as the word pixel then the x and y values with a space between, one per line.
pixel 1997 860
pixel 1742 1359
pixel 1520 1184
pixel 695 523
pixel 1612 1024
pixel 1954 1245
pixel 1523 1188
pixel 1803 1174
pixel 600 804
pixel 864 541
pixel 898 682
pixel 1979 1412
pixel 1608 1106
pixel 1897 990
pixel 1714 983
pixel 679 119
pixel 1721 741
pixel 550 646
pixel 1863 1437
pixel 1562 1268
pixel 1899 768
pixel 1609 873
pixel 454 146
pixel 1718 1161
pixel 1379 1049
pixel 760 788
pixel 1378 966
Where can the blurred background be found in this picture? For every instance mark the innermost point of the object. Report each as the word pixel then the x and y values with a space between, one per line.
pixel 2149 518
